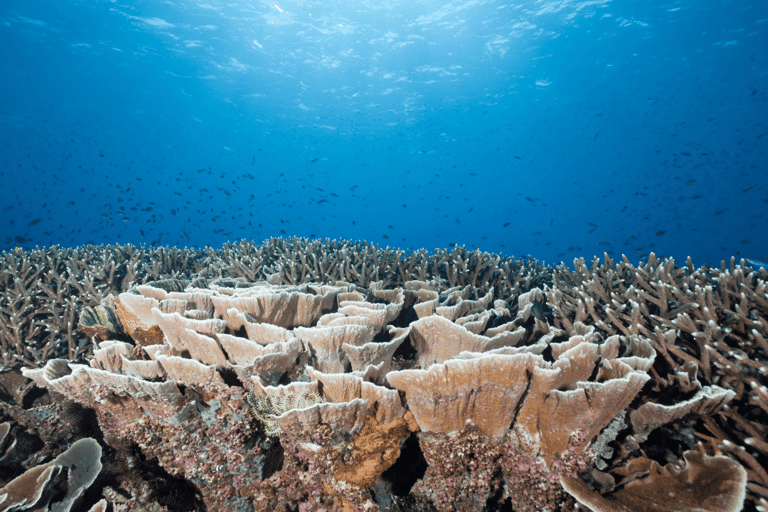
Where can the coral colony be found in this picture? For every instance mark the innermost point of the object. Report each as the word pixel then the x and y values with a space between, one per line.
pixel 338 376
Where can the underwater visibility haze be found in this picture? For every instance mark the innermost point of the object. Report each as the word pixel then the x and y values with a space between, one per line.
pixel 553 128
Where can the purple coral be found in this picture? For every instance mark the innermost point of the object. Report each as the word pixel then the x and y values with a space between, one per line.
pixel 529 484
pixel 463 469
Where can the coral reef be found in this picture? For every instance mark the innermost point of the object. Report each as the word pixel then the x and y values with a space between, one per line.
pixel 709 327
pixel 43 292
pixel 349 378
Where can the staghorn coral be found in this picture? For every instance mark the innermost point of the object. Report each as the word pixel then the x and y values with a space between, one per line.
pixel 626 363
pixel 43 291
pixel 708 326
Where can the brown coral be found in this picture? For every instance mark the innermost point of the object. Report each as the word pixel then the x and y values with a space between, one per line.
pixel 702 484
pixel 611 357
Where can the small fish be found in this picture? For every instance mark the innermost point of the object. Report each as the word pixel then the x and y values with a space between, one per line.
pixel 539 311
pixel 36 221
pixel 757 263
pixel 314 160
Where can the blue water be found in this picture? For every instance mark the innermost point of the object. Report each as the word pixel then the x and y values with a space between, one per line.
pixel 557 129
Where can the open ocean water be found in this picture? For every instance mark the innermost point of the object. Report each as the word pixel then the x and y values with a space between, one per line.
pixel 557 129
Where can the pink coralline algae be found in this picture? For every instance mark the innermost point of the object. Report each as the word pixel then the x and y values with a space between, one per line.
pixel 529 484
pixel 463 469
pixel 468 470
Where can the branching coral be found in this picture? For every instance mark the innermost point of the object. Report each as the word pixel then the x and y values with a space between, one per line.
pixel 43 291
